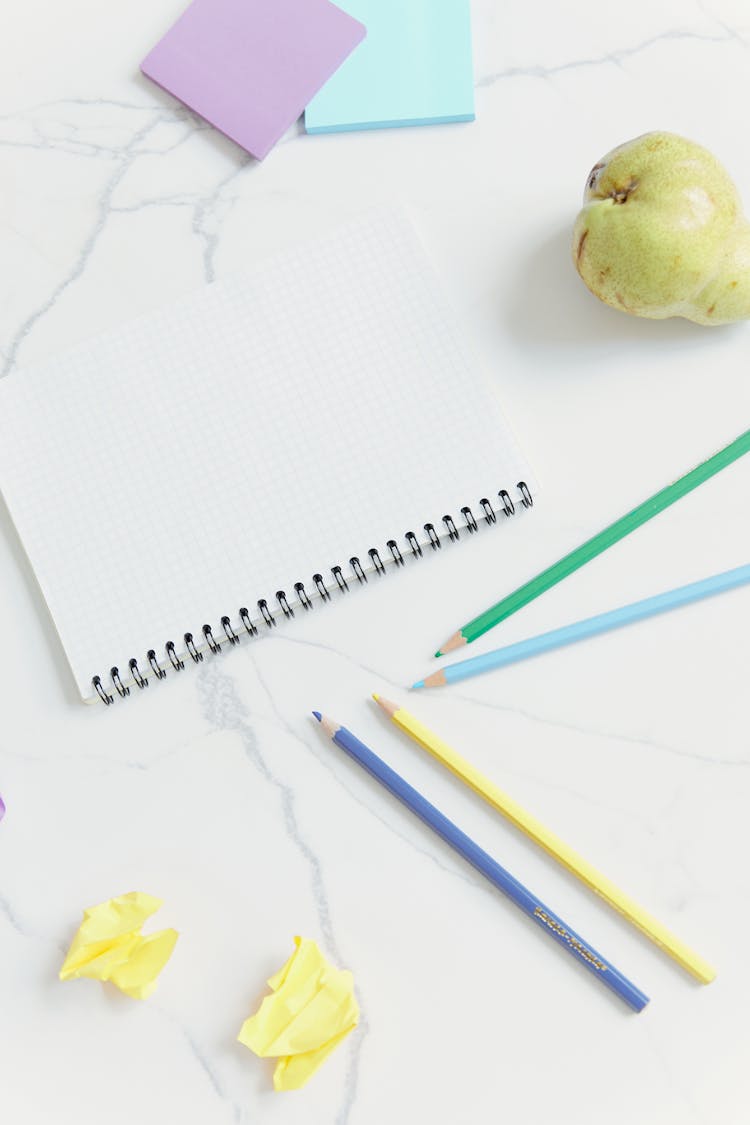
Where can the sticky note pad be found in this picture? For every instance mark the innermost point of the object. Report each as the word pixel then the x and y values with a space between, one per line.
pixel 414 68
pixel 251 66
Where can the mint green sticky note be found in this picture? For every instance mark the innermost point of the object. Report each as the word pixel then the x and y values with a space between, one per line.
pixel 413 68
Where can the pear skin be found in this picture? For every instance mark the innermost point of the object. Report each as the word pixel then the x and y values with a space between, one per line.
pixel 661 233
pixel 727 296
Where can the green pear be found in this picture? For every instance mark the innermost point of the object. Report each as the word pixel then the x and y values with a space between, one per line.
pixel 662 233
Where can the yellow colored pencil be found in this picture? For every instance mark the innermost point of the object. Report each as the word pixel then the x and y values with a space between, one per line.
pixel 551 843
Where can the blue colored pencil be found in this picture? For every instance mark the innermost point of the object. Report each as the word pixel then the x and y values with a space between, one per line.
pixel 532 906
pixel 601 623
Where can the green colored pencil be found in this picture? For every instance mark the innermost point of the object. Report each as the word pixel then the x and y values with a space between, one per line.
pixel 598 543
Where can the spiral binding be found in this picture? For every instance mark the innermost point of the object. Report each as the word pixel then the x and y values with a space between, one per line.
pixel 268 613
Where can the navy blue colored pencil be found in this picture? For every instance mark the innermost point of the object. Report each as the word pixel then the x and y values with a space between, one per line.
pixel 532 906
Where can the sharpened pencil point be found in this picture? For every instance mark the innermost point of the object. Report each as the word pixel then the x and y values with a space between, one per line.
pixel 389 708
pixel 376 697
pixel 418 684
pixel 458 640
pixel 317 715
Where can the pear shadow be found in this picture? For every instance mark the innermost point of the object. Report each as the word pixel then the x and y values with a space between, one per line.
pixel 551 309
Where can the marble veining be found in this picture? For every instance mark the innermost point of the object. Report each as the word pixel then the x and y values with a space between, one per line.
pixel 216 792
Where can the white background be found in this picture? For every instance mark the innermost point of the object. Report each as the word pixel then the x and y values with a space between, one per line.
pixel 216 792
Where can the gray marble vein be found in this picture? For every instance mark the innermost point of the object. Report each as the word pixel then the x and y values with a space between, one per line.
pixel 225 711
pixel 614 57
pixel 124 161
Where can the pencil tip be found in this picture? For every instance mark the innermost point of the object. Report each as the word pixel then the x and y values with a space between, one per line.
pixel 389 708
pixel 376 697
pixel 418 684
pixel 454 642
pixel 329 725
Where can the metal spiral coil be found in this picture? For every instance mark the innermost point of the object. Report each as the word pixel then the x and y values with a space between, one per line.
pixel 321 587
pixel 247 622
pixel 211 641
pixel 139 679
pixel 282 600
pixel 155 666
pixel 229 632
pixel 433 536
pixel 413 548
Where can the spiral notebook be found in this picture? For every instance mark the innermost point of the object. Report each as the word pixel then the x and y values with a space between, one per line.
pixel 194 479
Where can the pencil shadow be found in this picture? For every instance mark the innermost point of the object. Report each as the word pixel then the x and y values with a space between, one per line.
pixel 551 309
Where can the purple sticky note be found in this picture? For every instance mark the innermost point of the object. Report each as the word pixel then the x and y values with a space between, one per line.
pixel 251 66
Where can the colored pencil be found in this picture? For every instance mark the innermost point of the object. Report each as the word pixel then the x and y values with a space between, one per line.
pixel 546 839
pixel 533 907
pixel 589 627
pixel 598 543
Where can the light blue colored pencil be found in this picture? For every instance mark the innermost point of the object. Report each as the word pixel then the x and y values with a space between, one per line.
pixel 580 630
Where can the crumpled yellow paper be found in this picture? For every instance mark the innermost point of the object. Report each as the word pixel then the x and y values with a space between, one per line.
pixel 311 1009
pixel 109 945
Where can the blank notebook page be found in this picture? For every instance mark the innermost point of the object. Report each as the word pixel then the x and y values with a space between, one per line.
pixel 263 430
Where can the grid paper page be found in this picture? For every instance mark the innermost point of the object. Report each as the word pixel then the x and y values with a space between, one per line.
pixel 264 429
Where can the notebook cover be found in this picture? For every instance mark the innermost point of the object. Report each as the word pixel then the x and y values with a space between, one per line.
pixel 415 68
pixel 251 66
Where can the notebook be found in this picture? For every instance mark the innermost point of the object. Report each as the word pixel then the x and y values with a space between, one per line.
pixel 197 477
pixel 414 68
pixel 251 66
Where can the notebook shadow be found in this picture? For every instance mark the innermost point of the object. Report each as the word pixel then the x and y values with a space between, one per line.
pixel 36 598
pixel 551 309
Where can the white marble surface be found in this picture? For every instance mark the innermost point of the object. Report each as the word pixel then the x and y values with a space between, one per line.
pixel 216 791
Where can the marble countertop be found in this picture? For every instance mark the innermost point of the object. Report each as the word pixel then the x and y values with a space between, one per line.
pixel 216 791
